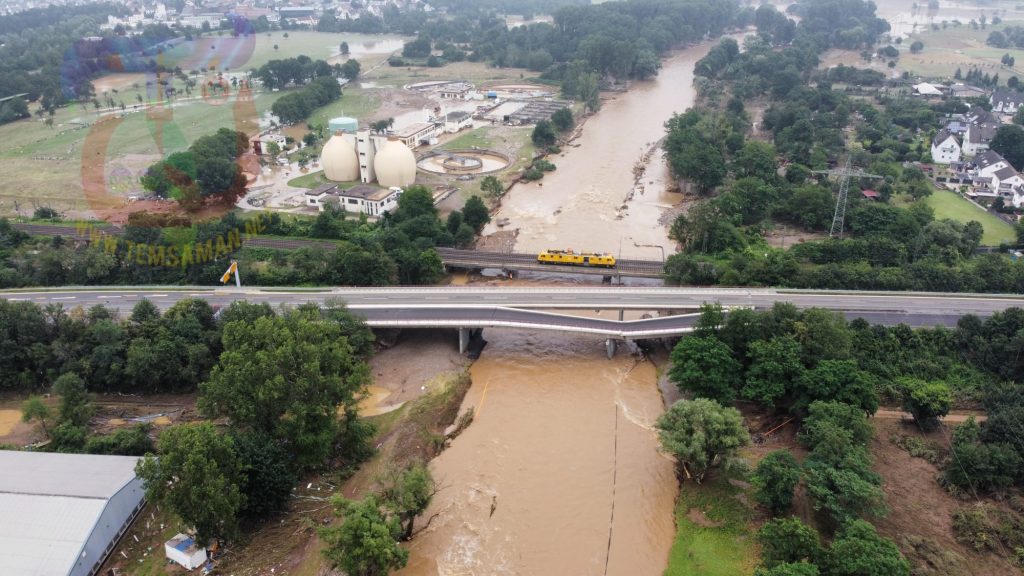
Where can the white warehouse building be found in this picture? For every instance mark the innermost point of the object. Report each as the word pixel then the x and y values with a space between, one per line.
pixel 64 513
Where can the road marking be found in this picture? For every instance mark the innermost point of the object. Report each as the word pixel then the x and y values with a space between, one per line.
pixel 18 299
pixel 63 298
pixel 108 297
pixel 159 295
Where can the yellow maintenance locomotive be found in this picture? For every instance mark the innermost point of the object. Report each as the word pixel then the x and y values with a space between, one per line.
pixel 571 258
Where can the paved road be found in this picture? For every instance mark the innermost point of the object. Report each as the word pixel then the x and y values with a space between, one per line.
pixel 525 307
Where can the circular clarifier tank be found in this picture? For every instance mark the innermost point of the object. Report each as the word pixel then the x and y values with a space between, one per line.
pixel 460 162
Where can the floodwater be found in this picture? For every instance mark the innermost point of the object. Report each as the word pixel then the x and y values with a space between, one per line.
pixel 906 20
pixel 593 201
pixel 560 471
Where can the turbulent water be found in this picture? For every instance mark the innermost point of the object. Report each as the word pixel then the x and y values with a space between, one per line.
pixel 580 205
pixel 559 472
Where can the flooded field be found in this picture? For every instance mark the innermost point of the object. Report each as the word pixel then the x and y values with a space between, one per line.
pixel 559 473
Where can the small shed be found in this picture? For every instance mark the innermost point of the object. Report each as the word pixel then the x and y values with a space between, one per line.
pixel 182 549
pixel 871 194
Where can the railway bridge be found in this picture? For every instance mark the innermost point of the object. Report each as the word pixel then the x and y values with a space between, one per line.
pixel 516 261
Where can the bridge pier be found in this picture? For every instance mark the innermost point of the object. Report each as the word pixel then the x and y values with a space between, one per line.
pixel 610 345
pixel 466 335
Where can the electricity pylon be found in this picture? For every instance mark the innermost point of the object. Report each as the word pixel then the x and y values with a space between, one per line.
pixel 839 217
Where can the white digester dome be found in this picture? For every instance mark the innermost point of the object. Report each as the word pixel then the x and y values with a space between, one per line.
pixel 339 159
pixel 395 165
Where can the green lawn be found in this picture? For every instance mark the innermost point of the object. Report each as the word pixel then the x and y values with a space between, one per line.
pixel 724 550
pixel 474 138
pixel 950 205
pixel 314 179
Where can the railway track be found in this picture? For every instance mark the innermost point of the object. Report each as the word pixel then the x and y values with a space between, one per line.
pixel 528 261
pixel 449 256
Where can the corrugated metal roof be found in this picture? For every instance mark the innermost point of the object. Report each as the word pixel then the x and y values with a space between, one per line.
pixel 77 475
pixel 42 535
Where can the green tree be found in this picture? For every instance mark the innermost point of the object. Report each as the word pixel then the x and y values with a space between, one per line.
pixel 74 400
pixel 774 480
pixel 562 119
pixel 701 434
pixel 704 365
pixel 491 186
pixel 822 415
pixel 475 213
pixel 34 409
pixel 787 541
pixel 774 366
pixel 366 541
pixel 196 476
pixel 407 494
pixel 975 465
pixel 1009 142
pixel 69 435
pixel 286 377
pixel 756 159
pixel 839 380
pixel 789 569
pixel 265 478
pixel 543 134
pixel 860 551
pixel 927 401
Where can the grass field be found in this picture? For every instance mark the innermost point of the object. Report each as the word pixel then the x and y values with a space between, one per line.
pixel 478 138
pixel 958 47
pixel 950 205
pixel 311 180
pixel 723 545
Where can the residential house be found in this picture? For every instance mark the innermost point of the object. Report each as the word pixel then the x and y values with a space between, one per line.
pixel 945 147
pixel 978 137
pixel 1006 101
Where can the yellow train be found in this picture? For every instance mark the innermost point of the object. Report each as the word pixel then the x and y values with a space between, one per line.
pixel 571 258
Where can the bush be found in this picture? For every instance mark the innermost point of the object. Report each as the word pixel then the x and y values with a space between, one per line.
pixel 133 441
pixel 927 401
pixel 785 541
pixel 975 465
pixel 774 480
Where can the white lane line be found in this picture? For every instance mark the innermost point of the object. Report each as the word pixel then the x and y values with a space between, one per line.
pixel 18 299
pixel 158 295
pixel 64 298
pixel 108 297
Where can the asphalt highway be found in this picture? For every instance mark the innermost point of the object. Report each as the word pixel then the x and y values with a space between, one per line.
pixel 523 307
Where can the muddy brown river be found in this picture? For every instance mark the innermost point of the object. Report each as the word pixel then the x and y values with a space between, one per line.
pixel 560 472
pixel 580 205
pixel 562 448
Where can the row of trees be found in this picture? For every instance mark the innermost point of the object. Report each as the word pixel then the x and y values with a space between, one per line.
pixel 296 106
pixel 399 248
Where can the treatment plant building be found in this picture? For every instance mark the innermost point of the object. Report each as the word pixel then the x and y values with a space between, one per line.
pixel 368 158
pixel 64 513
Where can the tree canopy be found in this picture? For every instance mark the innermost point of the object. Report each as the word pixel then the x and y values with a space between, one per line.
pixel 701 434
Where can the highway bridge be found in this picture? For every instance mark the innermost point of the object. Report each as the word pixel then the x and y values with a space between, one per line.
pixel 514 261
pixel 590 310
